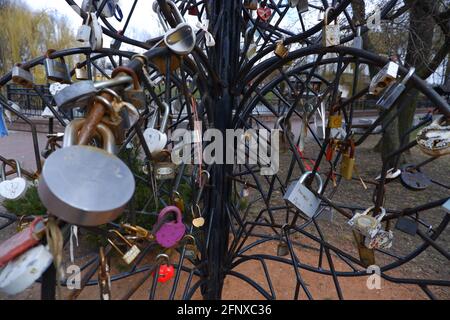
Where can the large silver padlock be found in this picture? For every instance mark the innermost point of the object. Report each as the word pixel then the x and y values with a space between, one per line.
pixel 331 33
pixel 57 70
pixel 75 95
pixel 84 185
pixel 156 140
pixel 22 77
pixel 383 78
pixel 13 189
pixel 301 197
pixel 434 140
pixel 365 224
pixel 393 92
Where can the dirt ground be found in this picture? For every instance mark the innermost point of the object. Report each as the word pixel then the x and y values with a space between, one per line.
pixel 429 264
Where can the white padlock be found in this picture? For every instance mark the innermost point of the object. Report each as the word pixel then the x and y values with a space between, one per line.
pixel 156 140
pixel 12 189
pixel 23 271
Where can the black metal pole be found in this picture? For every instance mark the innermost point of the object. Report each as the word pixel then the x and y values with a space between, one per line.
pixel 224 58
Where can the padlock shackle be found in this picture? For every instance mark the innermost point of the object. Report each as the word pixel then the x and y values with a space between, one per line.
pixel 165 118
pixel 162 256
pixel 317 176
pixel 168 210
pixel 173 9
pixel 122 237
pixel 3 170
pixel 379 217
pixel 72 129
pixel 326 14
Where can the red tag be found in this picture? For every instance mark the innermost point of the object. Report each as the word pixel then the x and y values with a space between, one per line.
pixel 329 152
pixel 20 242
pixel 264 13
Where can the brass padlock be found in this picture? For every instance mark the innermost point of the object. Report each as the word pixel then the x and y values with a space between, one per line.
pixel 282 249
pixel 131 254
pixel 366 256
pixel 348 162
pixel 281 50
pixel 81 73
pixel 335 121
pixel 178 201
pixel 191 249
pixel 331 35
pixel 164 168
pixel 161 62
pixel 22 77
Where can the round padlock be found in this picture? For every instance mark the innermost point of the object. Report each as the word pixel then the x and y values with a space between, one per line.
pixel 414 179
pixel 171 232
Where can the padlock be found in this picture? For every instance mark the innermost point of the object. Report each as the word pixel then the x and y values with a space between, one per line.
pixel 282 249
pixel 197 220
pixel 366 224
pixel 407 225
pixel 96 38
pixel 348 162
pixel 13 189
pixel 81 73
pixel 381 240
pixel 251 4
pixel 264 13
pixel 170 233
pixel 84 31
pixel 281 50
pixel 156 140
pixel 393 92
pixel 108 183
pixel 302 6
pixel 434 139
pixel 358 40
pixel 178 201
pixel 331 33
pixel 302 198
pixel 131 253
pixel 191 250
pixel 57 70
pixel 414 179
pixel 165 271
pixel 76 95
pixel 366 256
pixel 164 169
pixel 335 121
pixel 22 77
pixel 104 276
pixel 22 241
pixel 383 78
pixel 22 272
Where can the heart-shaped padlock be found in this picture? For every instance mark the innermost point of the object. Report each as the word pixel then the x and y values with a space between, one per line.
pixel 171 232
pixel 156 140
pixel 12 189
pixel 264 13
pixel 180 39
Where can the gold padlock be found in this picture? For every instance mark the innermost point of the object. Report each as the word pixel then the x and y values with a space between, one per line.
pixel 131 254
pixel 348 162
pixel 281 50
pixel 178 200
pixel 366 256
pixel 335 121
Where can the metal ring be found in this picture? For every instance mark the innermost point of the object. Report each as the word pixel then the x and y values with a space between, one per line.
pixel 140 56
pixel 112 93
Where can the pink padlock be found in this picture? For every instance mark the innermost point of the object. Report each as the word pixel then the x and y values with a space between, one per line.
pixel 170 232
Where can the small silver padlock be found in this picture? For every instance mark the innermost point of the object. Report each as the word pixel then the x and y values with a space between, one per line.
pixel 358 40
pixel 156 140
pixel 57 70
pixel 331 35
pixel 302 198
pixel 13 189
pixel 365 224
pixel 84 31
pixel 383 78
pixel 393 92
pixel 22 77
pixel 282 249
pixel 81 73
